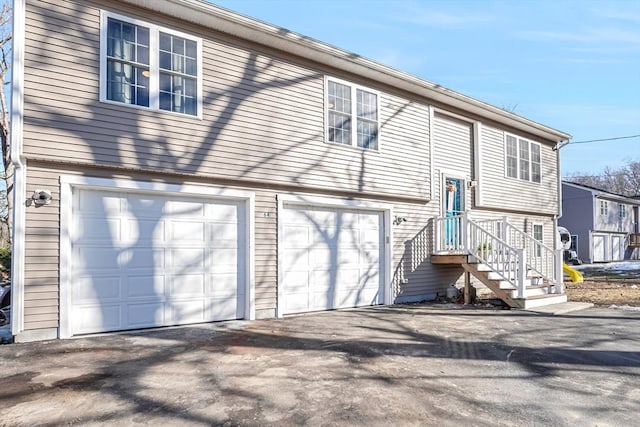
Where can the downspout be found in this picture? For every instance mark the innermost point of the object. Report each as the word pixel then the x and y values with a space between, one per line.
pixel 556 245
pixel 19 169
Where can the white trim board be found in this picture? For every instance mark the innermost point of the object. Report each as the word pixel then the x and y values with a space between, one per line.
pixel 285 200
pixel 69 183
pixel 20 172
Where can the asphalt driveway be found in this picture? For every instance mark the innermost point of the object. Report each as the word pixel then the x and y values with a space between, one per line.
pixel 398 365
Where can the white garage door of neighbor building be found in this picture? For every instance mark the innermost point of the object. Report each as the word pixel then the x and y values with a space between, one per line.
pixel 599 248
pixel 145 260
pixel 617 248
pixel 331 258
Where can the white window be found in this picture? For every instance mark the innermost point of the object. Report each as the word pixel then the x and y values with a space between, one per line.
pixel 150 66
pixel 604 208
pixel 622 211
pixel 523 159
pixel 538 235
pixel 352 115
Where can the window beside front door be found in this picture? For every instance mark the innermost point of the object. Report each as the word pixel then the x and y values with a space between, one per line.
pixel 538 234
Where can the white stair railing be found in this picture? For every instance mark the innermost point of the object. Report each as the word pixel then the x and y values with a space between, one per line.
pixel 503 259
pixel 508 251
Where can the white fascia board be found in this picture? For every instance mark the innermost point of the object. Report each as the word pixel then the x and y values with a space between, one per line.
pixel 226 21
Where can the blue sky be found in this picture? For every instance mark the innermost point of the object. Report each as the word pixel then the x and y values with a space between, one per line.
pixel 572 65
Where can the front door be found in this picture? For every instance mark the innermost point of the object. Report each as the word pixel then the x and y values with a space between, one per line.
pixel 453 206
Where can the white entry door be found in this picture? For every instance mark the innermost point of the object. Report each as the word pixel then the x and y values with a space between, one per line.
pixel 143 260
pixel 331 258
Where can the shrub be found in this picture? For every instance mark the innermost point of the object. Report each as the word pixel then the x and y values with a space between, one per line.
pixel 5 259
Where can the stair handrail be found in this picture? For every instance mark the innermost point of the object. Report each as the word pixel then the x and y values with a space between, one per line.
pixel 505 260
pixel 539 257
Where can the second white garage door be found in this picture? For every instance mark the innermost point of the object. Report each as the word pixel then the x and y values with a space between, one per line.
pixel 142 260
pixel 331 258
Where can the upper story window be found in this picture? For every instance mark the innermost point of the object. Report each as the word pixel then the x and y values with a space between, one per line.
pixel 523 159
pixel 604 208
pixel 352 115
pixel 622 211
pixel 149 66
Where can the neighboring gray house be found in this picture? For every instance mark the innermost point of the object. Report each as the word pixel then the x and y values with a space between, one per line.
pixel 604 226
pixel 178 163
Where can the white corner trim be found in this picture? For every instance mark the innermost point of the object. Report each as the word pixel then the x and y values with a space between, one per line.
pixel 478 162
pixel 19 172
pixel 68 183
pixel 432 147
pixel 285 200
pixel 280 255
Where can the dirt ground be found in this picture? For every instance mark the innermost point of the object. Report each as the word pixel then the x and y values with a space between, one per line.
pixel 605 292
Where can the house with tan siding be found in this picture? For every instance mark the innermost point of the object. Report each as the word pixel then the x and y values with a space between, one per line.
pixel 175 163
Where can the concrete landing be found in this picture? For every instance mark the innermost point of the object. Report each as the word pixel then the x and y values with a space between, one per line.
pixel 562 308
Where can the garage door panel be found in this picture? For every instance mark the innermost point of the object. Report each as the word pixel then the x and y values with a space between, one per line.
pixel 187 285
pixel 222 285
pixel 144 204
pixel 187 258
pixel 296 236
pixel 145 231
pixel 188 311
pixel 89 290
pixel 99 203
pixel 92 258
pixel 222 231
pixel 90 319
pixel 187 231
pixel 165 250
pixel 144 258
pixel 185 209
pixel 95 230
pixel 295 259
pixel 223 259
pixel 144 315
pixel 145 286
pixel 221 212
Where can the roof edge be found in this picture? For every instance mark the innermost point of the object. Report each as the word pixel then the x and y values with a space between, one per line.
pixel 244 27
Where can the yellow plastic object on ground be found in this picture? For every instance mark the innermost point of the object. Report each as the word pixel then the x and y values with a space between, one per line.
pixel 575 275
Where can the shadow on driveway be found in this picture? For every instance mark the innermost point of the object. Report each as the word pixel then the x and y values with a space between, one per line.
pixel 402 365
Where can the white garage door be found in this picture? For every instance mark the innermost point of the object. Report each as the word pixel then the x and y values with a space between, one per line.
pixel 617 248
pixel 599 248
pixel 332 258
pixel 141 260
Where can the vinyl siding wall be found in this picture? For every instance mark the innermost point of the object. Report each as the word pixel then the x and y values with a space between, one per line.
pixel 262 115
pixel 501 192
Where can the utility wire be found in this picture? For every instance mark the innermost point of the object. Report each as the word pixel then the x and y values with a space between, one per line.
pixel 605 139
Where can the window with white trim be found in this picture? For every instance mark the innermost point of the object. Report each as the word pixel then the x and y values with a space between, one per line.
pixel 523 159
pixel 604 208
pixel 622 211
pixel 538 235
pixel 149 66
pixel 352 115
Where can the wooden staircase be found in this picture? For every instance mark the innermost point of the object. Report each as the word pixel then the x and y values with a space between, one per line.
pixel 521 271
pixel 538 292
